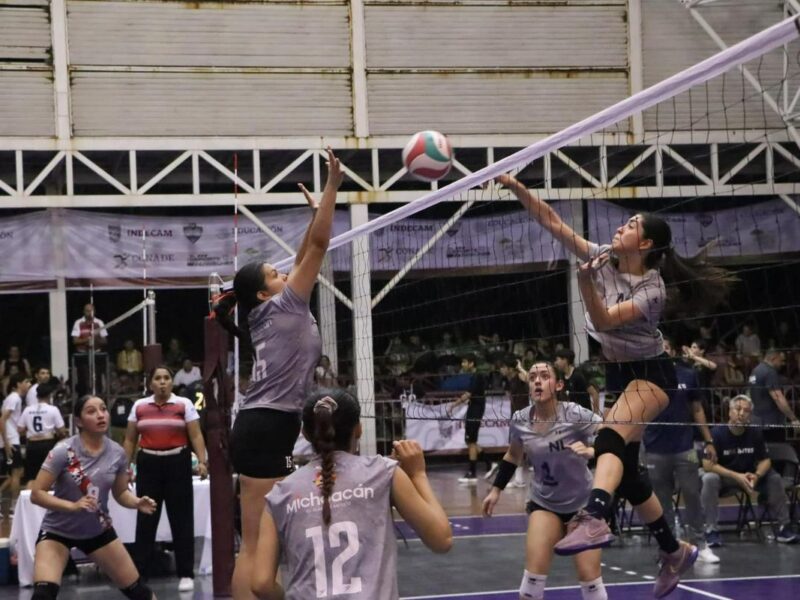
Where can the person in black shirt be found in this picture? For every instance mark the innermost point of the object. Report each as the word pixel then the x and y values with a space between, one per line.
pixel 576 387
pixel 742 463
pixel 476 397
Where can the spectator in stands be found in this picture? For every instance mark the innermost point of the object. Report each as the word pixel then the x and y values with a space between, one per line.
pixel 576 387
pixel 416 347
pixel 785 338
pixel 398 358
pixel 41 375
pixel 129 359
pixel 13 405
pixel 695 355
pixel 475 397
pixel 324 375
pixel 13 370
pixel 707 334
pixel 529 358
pixel 174 356
pixel 492 347
pixel 672 461
pixel 770 404
pixel 447 353
pixel 748 347
pixel 188 374
pixel 14 359
pixel 743 464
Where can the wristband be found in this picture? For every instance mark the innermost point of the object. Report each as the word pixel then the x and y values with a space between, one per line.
pixel 504 474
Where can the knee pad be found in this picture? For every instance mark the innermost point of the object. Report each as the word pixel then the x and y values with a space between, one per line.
pixel 45 590
pixel 630 460
pixel 532 586
pixel 138 591
pixel 609 441
pixel 635 486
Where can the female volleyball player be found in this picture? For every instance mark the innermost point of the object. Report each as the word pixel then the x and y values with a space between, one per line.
pixel 84 469
pixel 286 346
pixel 553 435
pixel 624 293
pixel 329 523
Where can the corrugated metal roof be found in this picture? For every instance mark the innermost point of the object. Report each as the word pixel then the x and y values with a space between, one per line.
pixel 24 33
pixel 486 103
pixel 229 34
pixel 26 103
pixel 210 104
pixel 672 40
pixel 496 36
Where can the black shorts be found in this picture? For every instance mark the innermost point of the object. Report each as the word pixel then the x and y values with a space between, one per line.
pixel 35 453
pixel 532 507
pixel 87 546
pixel 262 442
pixel 473 420
pixel 14 463
pixel 659 370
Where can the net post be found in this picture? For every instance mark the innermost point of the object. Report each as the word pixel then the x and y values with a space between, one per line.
pixel 217 389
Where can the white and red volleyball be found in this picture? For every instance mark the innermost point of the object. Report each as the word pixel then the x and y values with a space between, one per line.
pixel 428 155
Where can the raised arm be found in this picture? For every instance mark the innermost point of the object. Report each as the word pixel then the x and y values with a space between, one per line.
pixel 304 274
pixel 547 217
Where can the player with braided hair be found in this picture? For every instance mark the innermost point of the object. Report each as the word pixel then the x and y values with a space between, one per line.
pixel 622 286
pixel 330 522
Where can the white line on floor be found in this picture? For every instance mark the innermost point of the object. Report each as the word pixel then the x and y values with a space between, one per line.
pixel 702 592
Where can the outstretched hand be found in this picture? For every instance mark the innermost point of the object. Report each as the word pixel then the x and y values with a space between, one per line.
pixel 588 268
pixel 335 172
pixel 312 202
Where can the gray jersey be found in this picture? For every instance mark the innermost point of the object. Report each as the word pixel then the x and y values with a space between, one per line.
pixel 287 346
pixel 561 480
pixel 355 557
pixel 638 340
pixel 79 474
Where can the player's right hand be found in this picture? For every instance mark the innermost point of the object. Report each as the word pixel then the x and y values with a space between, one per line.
pixel 87 503
pixel 490 501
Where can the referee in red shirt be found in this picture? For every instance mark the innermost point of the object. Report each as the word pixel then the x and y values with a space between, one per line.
pixel 164 425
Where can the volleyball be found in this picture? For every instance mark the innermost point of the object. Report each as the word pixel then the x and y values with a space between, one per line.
pixel 428 155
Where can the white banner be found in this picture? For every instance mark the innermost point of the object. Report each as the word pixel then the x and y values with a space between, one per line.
pixel 26 248
pixel 440 427
pixel 770 227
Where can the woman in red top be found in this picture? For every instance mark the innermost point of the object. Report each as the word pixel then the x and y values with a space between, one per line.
pixel 164 425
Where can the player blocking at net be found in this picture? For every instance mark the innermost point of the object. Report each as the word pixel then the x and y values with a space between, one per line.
pixel 623 289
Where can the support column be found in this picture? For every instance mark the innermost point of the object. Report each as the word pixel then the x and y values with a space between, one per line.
pixel 326 309
pixel 59 324
pixel 363 365
pixel 577 313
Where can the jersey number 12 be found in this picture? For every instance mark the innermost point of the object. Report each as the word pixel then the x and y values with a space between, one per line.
pixel 338 586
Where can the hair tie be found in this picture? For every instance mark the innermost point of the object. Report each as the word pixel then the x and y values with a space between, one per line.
pixel 326 403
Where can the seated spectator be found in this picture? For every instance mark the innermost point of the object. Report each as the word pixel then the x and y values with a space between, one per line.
pixel 398 357
pixel 187 374
pixel 174 356
pixel 324 375
pixel 14 359
pixel 493 348
pixel 529 358
pixel 748 348
pixel 416 346
pixel 743 464
pixel 129 359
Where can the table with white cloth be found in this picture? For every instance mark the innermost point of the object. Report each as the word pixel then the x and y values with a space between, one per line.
pixel 28 519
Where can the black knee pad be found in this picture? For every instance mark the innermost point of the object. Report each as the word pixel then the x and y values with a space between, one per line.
pixel 609 441
pixel 138 591
pixel 630 461
pixel 45 590
pixel 635 485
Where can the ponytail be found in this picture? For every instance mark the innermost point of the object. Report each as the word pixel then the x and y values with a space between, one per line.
pixel 329 418
pixel 694 285
pixel 223 311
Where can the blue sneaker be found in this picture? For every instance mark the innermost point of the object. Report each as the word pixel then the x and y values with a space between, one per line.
pixel 713 539
pixel 787 536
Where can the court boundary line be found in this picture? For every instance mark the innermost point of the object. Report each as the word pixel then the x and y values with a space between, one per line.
pixel 616 584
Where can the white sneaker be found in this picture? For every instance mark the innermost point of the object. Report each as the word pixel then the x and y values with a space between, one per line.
pixel 186 584
pixel 707 555
pixel 491 472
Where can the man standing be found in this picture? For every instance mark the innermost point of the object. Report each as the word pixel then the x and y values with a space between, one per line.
pixel 476 397
pixel 672 461
pixel 88 335
pixel 576 387
pixel 770 404
pixel 41 375
pixel 743 463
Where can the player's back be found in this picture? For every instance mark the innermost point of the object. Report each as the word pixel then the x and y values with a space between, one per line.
pixel 355 557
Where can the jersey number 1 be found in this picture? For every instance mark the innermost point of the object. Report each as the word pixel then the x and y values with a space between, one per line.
pixel 338 586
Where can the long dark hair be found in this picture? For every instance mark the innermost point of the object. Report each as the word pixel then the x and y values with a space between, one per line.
pixel 692 283
pixel 329 418
pixel 249 280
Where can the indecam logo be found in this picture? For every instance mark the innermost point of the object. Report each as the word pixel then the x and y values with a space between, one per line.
pixel 312 500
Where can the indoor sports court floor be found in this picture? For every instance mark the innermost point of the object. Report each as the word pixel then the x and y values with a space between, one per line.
pixel 486 562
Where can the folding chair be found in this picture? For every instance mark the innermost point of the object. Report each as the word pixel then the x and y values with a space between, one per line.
pixel 786 463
